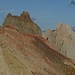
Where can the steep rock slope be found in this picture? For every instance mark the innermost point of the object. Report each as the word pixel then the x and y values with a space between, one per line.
pixel 22 23
pixel 25 54
pixel 63 39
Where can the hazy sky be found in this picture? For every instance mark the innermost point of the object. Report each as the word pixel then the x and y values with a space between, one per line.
pixel 46 13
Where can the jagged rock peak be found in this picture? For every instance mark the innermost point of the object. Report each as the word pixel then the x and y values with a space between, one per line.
pixel 22 23
pixel 9 15
pixel 63 27
pixel 25 14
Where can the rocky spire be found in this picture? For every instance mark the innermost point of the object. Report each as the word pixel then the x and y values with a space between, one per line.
pixel 22 23
pixel 9 15
pixel 25 16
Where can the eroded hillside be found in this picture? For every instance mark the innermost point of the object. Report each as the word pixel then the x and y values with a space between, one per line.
pixel 27 54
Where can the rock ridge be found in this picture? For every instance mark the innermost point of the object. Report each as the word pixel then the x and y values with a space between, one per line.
pixel 23 23
pixel 63 39
pixel 22 54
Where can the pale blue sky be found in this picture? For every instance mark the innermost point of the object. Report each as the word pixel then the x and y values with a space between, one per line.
pixel 47 13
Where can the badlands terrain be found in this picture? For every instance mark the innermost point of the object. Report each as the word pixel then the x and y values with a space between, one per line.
pixel 25 51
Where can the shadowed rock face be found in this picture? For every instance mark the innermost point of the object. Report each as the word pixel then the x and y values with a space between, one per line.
pixel 22 23
pixel 63 39
pixel 26 54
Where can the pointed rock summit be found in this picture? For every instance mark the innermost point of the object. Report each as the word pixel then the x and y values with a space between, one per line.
pixel 9 15
pixel 63 39
pixel 25 16
pixel 22 23
pixel 63 28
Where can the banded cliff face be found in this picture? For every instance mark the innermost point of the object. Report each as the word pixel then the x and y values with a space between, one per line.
pixel 63 39
pixel 22 23
pixel 27 54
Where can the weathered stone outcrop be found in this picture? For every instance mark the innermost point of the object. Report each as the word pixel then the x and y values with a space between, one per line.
pixel 26 54
pixel 22 23
pixel 63 39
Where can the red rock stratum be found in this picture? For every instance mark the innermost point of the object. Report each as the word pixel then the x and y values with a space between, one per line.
pixel 27 54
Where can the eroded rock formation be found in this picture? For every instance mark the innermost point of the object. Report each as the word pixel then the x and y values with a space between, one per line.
pixel 27 54
pixel 22 23
pixel 63 39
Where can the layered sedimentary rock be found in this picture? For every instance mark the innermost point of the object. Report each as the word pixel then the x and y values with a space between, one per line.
pixel 27 54
pixel 63 39
pixel 22 23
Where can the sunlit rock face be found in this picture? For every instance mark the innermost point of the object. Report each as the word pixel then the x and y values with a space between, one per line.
pixel 63 39
pixel 28 54
pixel 22 23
